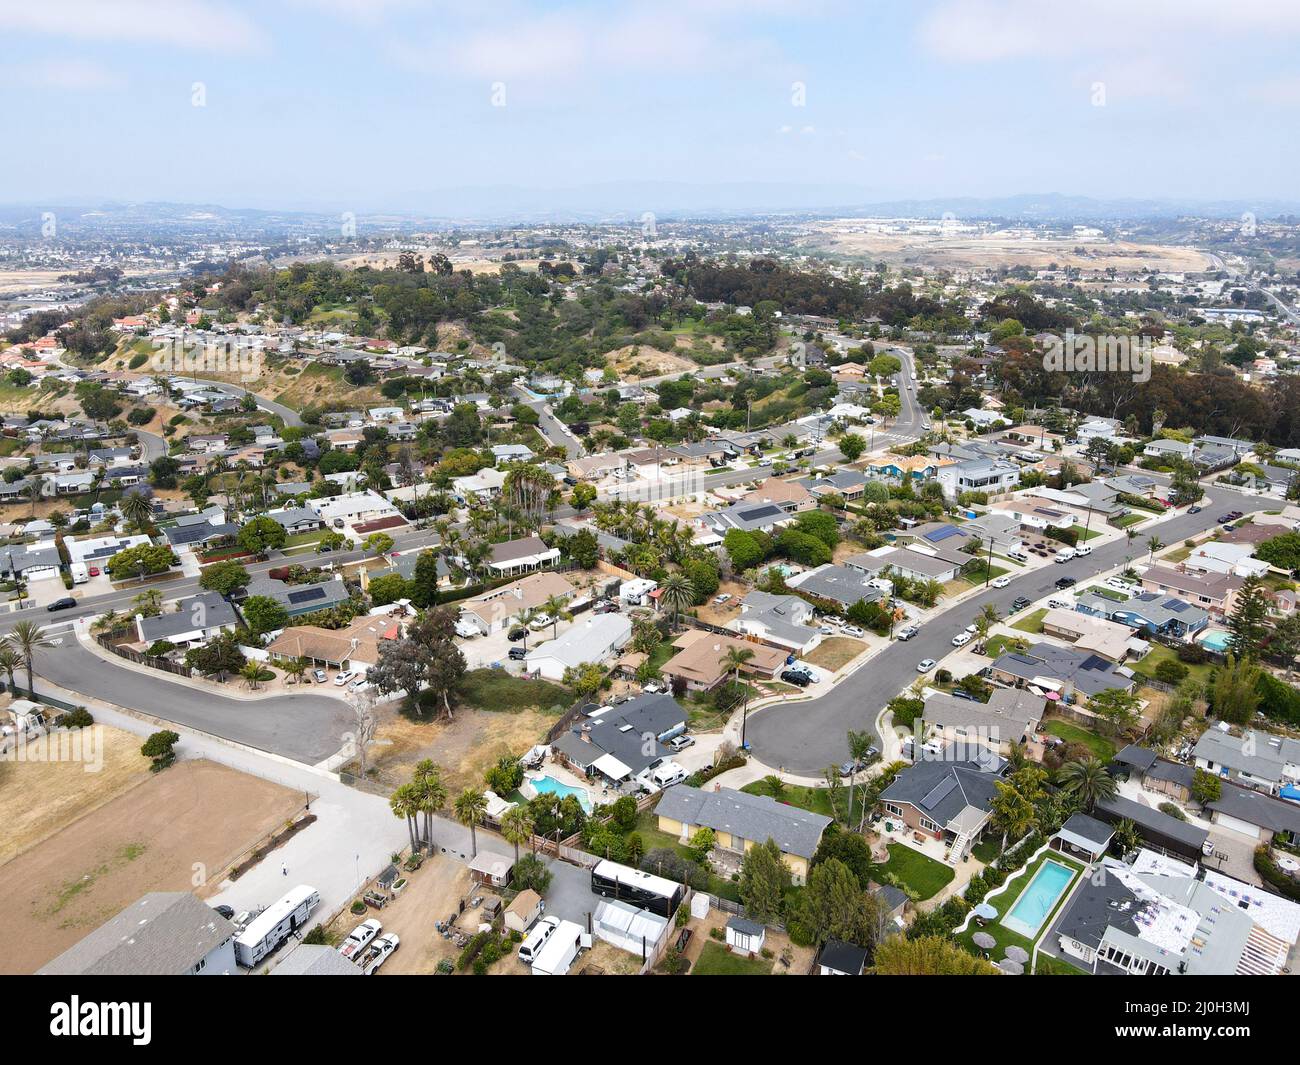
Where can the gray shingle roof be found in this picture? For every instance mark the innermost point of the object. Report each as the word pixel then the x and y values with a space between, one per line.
pixel 753 817
pixel 314 960
pixel 942 790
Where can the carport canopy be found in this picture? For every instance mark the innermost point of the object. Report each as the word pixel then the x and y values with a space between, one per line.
pixel 611 767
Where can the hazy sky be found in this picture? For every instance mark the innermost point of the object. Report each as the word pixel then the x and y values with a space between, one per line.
pixel 378 104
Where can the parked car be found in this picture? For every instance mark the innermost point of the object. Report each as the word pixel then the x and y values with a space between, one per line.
pixel 959 693
pixel 1194 510
pixel 1066 582
pixel 518 654
pixel 854 631
pixel 680 743
pixel 517 633
pixel 1065 554
pixel 1001 582
pixel 343 676
pixel 94 571
pixel 226 911
pixel 961 639
pixel 793 676
pixel 907 632
pixel 925 665
pixel 825 630
pixel 66 603
pixel 360 684
pixel 725 597
pixel 1020 603
pixel 1086 549
pixel 318 675
pixel 359 939
pixel 807 671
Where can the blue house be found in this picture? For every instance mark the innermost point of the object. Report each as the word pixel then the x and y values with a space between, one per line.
pixel 1161 615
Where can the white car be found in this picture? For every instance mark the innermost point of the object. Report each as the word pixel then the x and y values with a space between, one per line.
pixel 725 597
pixel 925 665
pixel 343 677
pixel 1065 554
pixel 961 639
pixel 1001 582
pixel 854 631
pixel 925 426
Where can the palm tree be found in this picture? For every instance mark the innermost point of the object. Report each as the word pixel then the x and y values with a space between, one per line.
pixel 1088 780
pixel 733 660
pixel 431 793
pixel 135 508
pixel 859 745
pixel 10 662
pixel 676 594
pixel 296 668
pixel 1155 544
pixel 470 807
pixel 252 673
pixel 1129 537
pixel 403 803
pixel 35 489
pixel 148 602
pixel 554 606
pixel 27 638
pixel 517 827
pixel 525 618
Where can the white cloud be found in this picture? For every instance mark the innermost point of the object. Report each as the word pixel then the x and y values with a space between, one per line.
pixel 197 24
pixel 72 75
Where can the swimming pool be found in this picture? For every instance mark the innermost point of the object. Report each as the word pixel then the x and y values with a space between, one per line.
pixel 1217 640
pixel 551 786
pixel 1039 898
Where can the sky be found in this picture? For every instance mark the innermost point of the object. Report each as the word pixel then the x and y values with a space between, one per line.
pixel 428 106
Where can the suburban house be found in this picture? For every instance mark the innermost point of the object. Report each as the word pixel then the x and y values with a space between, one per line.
pixel 1008 719
pixel 790 496
pixel 352 507
pixel 479 487
pixel 838 958
pixel 355 646
pixel 783 620
pixel 1074 675
pixel 848 484
pixel 612 740
pixel 295 520
pixel 593 639
pixel 916 467
pixel 1163 917
pixel 196 619
pixel 991 476
pixel 1160 449
pixel 1260 760
pixel 1237 559
pixel 1034 512
pixel 951 801
pixel 521 556
pixel 842 585
pixel 909 563
pixel 747 517
pixel 1215 592
pixel 1083 837
pixel 740 820
pixel 1089 633
pixel 1150 612
pixel 701 665
pixel 163 933
pixel 498 608
pixel 1159 830
pixel 298 599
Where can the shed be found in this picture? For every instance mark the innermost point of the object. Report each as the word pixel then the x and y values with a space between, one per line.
pixel 745 936
pixel 1083 837
pixel 488 868
pixel 524 910
pixel 841 959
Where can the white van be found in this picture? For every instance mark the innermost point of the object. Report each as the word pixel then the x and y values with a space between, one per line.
pixel 1085 549
pixel 664 775
pixel 532 946
pixel 1065 554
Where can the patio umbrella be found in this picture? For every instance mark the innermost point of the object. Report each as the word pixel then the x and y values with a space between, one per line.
pixel 985 911
pixel 1018 954
pixel 1011 968
pixel 984 940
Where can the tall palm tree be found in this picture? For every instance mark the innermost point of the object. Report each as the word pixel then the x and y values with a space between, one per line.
pixel 859 745
pixel 431 793
pixel 554 606
pixel 27 637
pixel 10 662
pixel 525 618
pixel 470 807
pixel 676 594
pixel 136 509
pixel 1129 537
pixel 517 827
pixel 1087 780
pixel 403 803
pixel 1155 544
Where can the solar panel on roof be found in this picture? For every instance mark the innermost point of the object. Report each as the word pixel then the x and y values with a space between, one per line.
pixel 939 792
pixel 943 534
pixel 1095 662
pixel 306 595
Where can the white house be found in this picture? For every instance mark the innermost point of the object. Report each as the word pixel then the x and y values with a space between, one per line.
pixel 352 507
pixel 594 639
pixel 486 484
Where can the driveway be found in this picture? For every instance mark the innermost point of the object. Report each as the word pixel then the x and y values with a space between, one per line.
pixel 304 728
pixel 806 737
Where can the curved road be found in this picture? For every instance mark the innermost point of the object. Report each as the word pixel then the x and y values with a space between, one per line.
pixel 305 727
pixel 287 414
pixel 806 737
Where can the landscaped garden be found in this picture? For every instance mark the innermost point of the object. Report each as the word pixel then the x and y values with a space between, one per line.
pixel 1100 746
pixel 916 872
pixel 716 960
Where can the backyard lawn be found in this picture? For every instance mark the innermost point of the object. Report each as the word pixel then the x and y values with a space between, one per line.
pixel 1007 899
pixel 1001 644
pixel 717 960
pixel 1100 746
pixel 916 871
pixel 814 800
pixel 1160 653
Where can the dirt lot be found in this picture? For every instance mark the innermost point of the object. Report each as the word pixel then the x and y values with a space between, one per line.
pixel 728 611
pixel 834 652
pixel 464 747
pixel 161 835
pixel 644 361
pixel 37 799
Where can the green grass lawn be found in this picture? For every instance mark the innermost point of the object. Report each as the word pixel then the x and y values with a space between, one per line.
pixel 1004 901
pixel 814 800
pixel 716 960
pixel 495 689
pixel 1160 653
pixel 1126 520
pixel 1000 644
pixel 1107 593
pixel 988 848
pixel 1031 622
pixel 1100 746
pixel 916 871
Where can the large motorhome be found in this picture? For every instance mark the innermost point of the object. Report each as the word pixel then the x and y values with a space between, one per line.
pixel 274 925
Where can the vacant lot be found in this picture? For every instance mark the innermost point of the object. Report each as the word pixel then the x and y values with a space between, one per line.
pixel 176 831
pixel 37 799
pixel 835 652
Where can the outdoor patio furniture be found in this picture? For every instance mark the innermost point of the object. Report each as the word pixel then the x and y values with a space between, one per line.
pixel 983 939
pixel 1018 954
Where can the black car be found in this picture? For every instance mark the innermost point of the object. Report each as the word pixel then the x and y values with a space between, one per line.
pixel 1020 604
pixel 225 911
pixel 793 676
pixel 517 633
pixel 1224 519
pixel 518 654
pixel 66 603
pixel 1066 582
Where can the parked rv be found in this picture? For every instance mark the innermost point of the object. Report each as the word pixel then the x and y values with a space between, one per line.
pixel 274 925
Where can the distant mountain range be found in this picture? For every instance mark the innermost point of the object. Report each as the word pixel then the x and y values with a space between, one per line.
pixel 618 203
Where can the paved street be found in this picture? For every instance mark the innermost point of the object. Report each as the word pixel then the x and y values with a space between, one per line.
pixel 806 737
pixel 307 728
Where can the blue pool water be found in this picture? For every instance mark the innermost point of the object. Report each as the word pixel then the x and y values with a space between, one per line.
pixel 1038 899
pixel 1217 640
pixel 551 786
